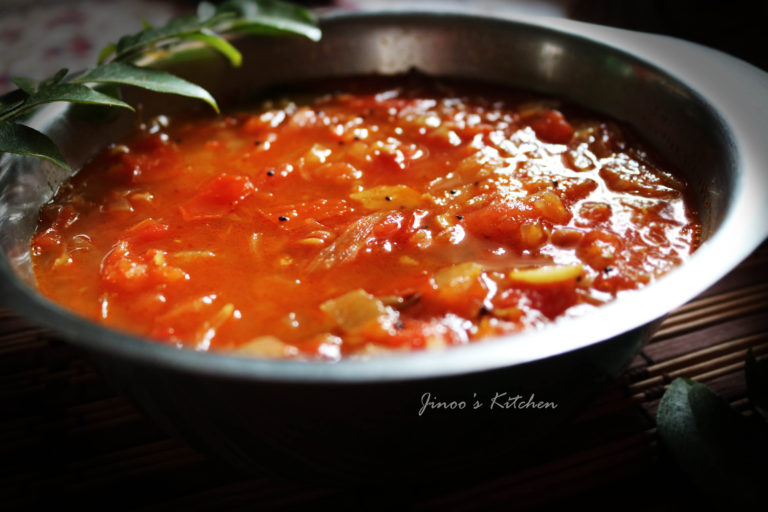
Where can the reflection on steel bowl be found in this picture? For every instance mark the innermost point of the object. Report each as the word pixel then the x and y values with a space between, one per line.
pixel 701 110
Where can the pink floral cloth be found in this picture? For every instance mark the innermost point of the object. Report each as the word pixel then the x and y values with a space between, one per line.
pixel 39 38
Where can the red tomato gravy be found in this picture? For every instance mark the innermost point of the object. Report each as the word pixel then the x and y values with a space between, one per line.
pixel 367 215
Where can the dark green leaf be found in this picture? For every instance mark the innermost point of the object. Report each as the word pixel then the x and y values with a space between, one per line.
pixel 222 45
pixel 110 89
pixel 146 78
pixel 721 450
pixel 55 79
pixel 99 113
pixel 128 45
pixel 757 383
pixel 74 93
pixel 12 100
pixel 261 16
pixel 271 16
pixel 106 52
pixel 27 85
pixel 23 140
pixel 254 16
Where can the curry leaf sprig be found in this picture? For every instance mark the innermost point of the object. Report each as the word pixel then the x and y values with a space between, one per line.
pixel 118 65
pixel 723 452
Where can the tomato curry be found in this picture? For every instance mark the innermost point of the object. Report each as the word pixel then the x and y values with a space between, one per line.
pixel 374 214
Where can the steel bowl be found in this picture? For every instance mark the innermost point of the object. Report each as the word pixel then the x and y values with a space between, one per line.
pixel 704 111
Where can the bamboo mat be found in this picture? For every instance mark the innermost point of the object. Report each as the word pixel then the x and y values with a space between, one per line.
pixel 66 438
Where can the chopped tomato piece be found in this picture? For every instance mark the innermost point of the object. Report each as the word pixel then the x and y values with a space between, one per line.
pixel 218 198
pixel 598 249
pixel 147 230
pixel 419 334
pixel 550 207
pixel 155 159
pixel 389 226
pixel 50 238
pixel 255 126
pixel 398 228
pixel 151 142
pixel 459 289
pixel 595 212
pixel 124 270
pixel 552 299
pixel 411 334
pixel 551 126
pixel 501 220
pixel 613 279
pixel 292 216
pixel 46 240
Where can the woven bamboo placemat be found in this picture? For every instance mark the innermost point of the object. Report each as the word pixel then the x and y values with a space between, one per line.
pixel 67 438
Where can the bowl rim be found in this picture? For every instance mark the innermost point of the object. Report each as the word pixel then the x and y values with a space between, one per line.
pixel 732 241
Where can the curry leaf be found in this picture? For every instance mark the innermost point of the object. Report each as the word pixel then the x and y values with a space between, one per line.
pixel 146 78
pixel 23 140
pixel 722 451
pixel 55 79
pixel 757 383
pixel 220 44
pixel 244 16
pixel 12 100
pixel 128 46
pixel 107 52
pixel 27 85
pixel 73 93
pixel 270 16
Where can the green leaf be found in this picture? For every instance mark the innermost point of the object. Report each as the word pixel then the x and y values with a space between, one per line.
pixel 55 79
pixel 254 16
pixel 271 16
pixel 23 140
pixel 249 16
pixel 208 37
pixel 756 373
pixel 106 52
pixel 12 100
pixel 110 89
pixel 27 85
pixel 74 93
pixel 129 45
pixel 146 78
pixel 722 451
pixel 98 113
